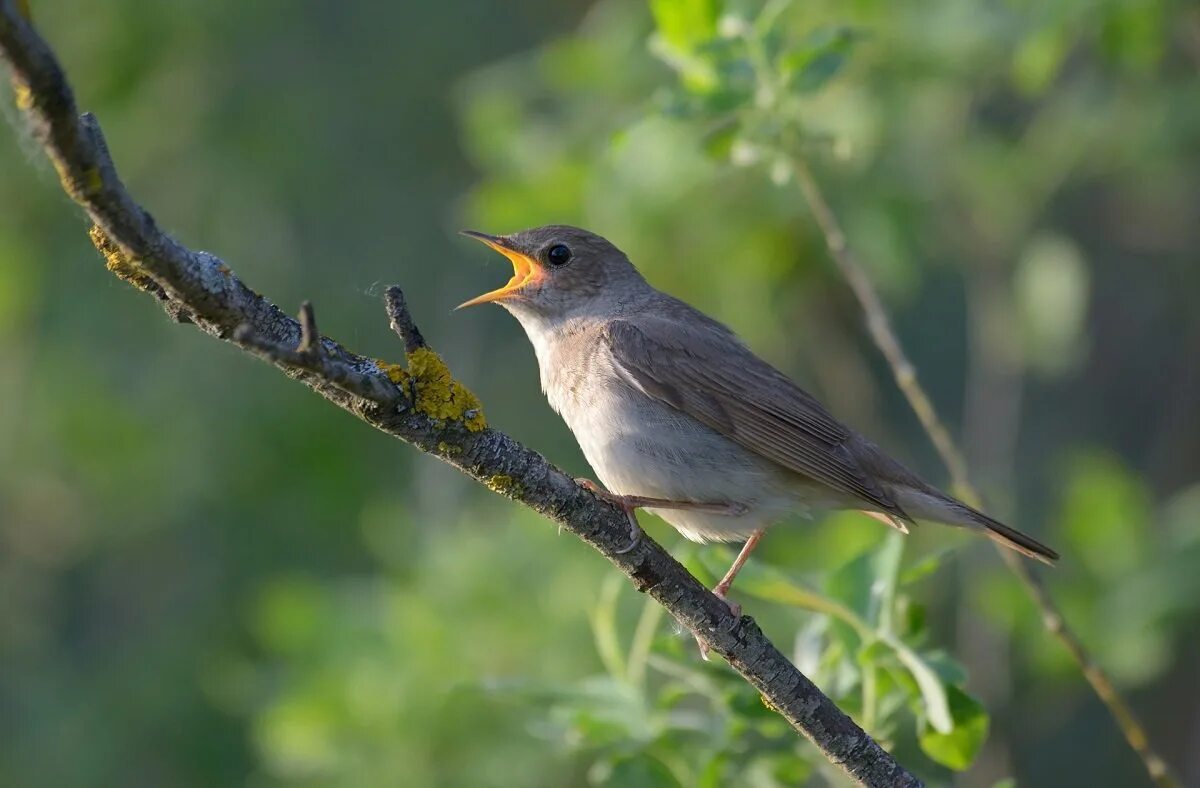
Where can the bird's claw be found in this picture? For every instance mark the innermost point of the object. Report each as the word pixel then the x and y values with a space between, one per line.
pixel 635 530
pixel 635 533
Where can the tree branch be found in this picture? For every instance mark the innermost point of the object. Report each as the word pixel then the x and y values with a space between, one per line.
pixel 880 328
pixel 422 405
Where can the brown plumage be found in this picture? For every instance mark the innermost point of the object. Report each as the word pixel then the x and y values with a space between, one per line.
pixel 669 405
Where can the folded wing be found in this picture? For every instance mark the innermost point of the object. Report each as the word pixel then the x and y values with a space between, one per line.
pixel 705 372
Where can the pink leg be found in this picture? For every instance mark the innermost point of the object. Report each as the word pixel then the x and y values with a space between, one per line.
pixel 722 588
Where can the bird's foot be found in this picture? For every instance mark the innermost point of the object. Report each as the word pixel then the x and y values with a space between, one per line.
pixel 734 607
pixel 635 530
pixel 721 590
pixel 635 533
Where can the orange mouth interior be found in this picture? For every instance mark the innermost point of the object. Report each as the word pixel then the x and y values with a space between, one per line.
pixel 525 270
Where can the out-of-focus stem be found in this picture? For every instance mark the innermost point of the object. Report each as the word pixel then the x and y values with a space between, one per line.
pixel 880 328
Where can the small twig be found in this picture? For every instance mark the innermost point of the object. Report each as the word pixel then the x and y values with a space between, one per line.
pixel 885 338
pixel 310 356
pixel 310 338
pixel 401 321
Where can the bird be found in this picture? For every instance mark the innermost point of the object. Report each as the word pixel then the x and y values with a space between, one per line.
pixel 678 416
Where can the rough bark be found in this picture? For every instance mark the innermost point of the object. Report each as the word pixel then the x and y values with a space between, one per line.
pixel 422 405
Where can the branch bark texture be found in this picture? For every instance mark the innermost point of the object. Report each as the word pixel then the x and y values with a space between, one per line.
pixel 420 403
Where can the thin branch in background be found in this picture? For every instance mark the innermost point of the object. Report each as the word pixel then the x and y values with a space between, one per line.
pixel 880 328
pixel 422 405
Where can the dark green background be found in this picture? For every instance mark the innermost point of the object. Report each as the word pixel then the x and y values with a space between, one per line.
pixel 209 576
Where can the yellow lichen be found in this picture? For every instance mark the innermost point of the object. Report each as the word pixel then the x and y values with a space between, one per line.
pixel 446 448
pixel 394 372
pixel 439 395
pixel 117 262
pixel 24 96
pixel 505 485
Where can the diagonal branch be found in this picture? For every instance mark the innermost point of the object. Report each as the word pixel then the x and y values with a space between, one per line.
pixel 421 404
pixel 880 328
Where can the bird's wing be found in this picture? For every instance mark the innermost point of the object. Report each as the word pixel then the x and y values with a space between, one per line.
pixel 703 370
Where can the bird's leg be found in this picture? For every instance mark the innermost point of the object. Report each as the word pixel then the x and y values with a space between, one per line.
pixel 722 588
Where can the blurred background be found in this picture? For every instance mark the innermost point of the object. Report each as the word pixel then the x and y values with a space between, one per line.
pixel 210 576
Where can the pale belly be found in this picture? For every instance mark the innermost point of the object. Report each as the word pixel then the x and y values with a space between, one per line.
pixel 639 446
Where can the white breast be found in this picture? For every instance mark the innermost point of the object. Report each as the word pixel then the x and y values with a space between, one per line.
pixel 641 446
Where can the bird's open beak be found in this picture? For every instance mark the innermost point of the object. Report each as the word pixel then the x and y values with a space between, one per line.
pixel 525 270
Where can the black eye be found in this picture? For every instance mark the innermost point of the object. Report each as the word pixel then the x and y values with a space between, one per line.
pixel 558 255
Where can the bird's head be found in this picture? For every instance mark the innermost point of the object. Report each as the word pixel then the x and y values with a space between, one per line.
pixel 559 272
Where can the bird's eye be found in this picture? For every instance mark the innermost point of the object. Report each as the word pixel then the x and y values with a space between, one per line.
pixel 558 255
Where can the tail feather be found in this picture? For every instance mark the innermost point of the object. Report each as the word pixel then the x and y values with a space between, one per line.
pixel 932 505
pixel 1015 540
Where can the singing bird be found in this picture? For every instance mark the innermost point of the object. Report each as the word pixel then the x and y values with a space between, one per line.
pixel 676 415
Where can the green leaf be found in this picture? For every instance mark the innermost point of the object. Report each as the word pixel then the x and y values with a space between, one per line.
pixel 604 628
pixel 851 584
pixel 887 575
pixel 958 747
pixel 933 692
pixel 766 582
pixel 946 666
pixel 1104 514
pixel 855 583
pixel 818 58
pixel 912 617
pixel 820 70
pixel 1039 59
pixel 867 584
pixel 924 567
pixel 714 773
pixel 685 24
pixel 789 769
pixel 639 771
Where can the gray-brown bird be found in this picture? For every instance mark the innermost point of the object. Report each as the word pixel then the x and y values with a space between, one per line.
pixel 676 415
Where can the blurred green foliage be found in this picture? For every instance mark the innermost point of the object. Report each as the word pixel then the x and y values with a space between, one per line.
pixel 214 578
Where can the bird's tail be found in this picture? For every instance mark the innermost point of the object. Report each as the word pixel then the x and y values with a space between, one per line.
pixel 930 504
